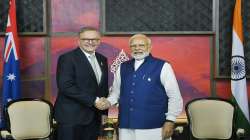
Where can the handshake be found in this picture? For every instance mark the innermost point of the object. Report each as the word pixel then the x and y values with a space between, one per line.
pixel 102 104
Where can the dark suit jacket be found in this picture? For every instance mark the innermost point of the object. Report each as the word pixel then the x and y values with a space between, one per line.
pixel 78 88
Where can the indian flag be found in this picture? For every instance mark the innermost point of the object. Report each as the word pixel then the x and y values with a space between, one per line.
pixel 238 72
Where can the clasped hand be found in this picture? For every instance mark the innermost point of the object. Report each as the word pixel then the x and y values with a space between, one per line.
pixel 102 104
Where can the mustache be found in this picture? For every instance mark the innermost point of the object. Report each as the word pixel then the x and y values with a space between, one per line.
pixel 90 45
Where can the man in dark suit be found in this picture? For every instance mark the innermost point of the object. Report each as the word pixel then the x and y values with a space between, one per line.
pixel 82 79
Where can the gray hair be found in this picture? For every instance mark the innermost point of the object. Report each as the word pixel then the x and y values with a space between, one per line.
pixel 140 36
pixel 84 29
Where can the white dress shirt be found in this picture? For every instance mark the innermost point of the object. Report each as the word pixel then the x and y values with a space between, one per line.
pixel 168 80
pixel 98 68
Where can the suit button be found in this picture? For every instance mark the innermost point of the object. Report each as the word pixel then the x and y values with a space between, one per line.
pixel 131 109
pixel 131 100
pixel 131 91
pixel 134 75
pixel 133 83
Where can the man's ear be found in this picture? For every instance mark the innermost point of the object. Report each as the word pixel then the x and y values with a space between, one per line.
pixel 78 42
pixel 149 48
pixel 99 42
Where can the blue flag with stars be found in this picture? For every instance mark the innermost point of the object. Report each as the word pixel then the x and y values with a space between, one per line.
pixel 11 70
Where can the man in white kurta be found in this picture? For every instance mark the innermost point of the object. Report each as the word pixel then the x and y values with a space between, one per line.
pixel 148 94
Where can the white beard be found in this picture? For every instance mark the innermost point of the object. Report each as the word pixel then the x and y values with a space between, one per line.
pixel 140 56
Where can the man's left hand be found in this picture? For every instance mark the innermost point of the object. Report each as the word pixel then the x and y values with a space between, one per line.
pixel 167 130
pixel 102 104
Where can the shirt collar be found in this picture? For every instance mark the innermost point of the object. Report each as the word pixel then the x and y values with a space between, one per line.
pixel 87 54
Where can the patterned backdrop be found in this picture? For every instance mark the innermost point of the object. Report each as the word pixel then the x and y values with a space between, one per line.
pixel 225 36
pixel 158 15
pixel 31 15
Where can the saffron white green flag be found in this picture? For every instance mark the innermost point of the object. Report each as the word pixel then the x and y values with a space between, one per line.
pixel 238 72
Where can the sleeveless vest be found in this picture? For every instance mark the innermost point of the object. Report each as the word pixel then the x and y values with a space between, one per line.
pixel 143 100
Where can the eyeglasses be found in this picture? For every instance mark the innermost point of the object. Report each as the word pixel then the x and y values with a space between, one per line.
pixel 138 46
pixel 88 40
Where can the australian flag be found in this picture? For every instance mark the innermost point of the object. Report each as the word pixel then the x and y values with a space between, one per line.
pixel 11 70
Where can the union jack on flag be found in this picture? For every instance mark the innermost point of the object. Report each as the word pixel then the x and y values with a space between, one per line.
pixel 11 70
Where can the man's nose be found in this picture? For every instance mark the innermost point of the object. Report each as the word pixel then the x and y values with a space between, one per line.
pixel 137 46
pixel 91 41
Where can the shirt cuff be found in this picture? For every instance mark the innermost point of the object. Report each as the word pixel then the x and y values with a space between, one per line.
pixel 97 99
pixel 171 118
pixel 112 102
